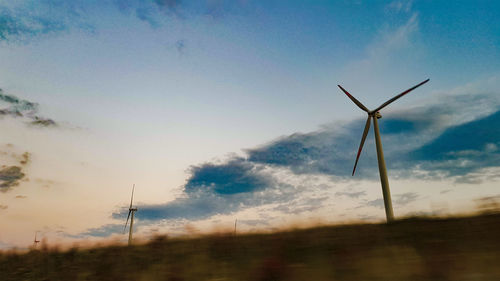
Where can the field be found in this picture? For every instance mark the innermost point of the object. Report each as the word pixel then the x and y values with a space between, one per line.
pixel 466 248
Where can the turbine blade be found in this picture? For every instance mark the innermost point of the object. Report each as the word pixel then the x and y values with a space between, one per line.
pixel 132 198
pixel 363 138
pixel 125 227
pixel 400 95
pixel 359 104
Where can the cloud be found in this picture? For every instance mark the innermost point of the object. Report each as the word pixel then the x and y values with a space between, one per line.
pixel 43 122
pixel 10 177
pixel 25 158
pixel 449 138
pixel 10 152
pixel 17 107
pixel 280 173
pixel 21 197
pixel 158 12
pixel 405 198
pixel 180 45
pixel 400 6
pixel 378 203
pixel 103 231
pixel 220 188
pixel 24 109
pixel 21 21
pixel 464 148
pixel 392 52
pixel 3 207
pixel 351 194
pixel 397 200
pixel 15 25
pixel 300 205
pixel 235 176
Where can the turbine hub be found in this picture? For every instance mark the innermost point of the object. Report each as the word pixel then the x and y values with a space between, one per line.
pixel 378 115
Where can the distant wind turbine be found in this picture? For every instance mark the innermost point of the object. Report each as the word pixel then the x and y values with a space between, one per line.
pixel 130 211
pixel 35 242
pixel 375 114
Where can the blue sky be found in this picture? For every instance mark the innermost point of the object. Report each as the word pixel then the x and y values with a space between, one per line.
pixel 222 109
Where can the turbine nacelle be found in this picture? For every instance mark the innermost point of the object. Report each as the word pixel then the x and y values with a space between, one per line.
pixel 375 114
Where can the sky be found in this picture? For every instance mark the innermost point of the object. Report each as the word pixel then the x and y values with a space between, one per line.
pixel 221 110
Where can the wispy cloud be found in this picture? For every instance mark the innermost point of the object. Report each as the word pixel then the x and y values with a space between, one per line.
pixel 10 176
pixel 21 21
pixel 398 200
pixel 399 6
pixel 388 54
pixel 23 109
pixel 154 12
pixel 102 231
pixel 25 158
pixel 351 194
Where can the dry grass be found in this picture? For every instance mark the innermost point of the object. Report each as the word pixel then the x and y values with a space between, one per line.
pixel 411 249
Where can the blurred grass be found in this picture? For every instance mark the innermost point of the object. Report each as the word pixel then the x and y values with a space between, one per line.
pixel 465 248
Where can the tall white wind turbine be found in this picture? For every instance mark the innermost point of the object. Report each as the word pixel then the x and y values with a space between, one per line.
pixel 130 211
pixel 375 114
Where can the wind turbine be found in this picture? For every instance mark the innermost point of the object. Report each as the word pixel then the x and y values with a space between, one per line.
pixel 130 211
pixel 35 242
pixel 375 114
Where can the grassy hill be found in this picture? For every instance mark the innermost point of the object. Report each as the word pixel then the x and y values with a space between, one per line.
pixel 413 249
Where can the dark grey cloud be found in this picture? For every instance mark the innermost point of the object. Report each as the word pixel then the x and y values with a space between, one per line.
pixel 422 138
pixel 10 176
pixel 235 176
pixel 464 148
pixel 23 109
pixel 17 107
pixel 43 122
pixel 220 188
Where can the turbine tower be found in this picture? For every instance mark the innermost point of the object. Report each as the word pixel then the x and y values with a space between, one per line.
pixel 130 211
pixel 375 114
